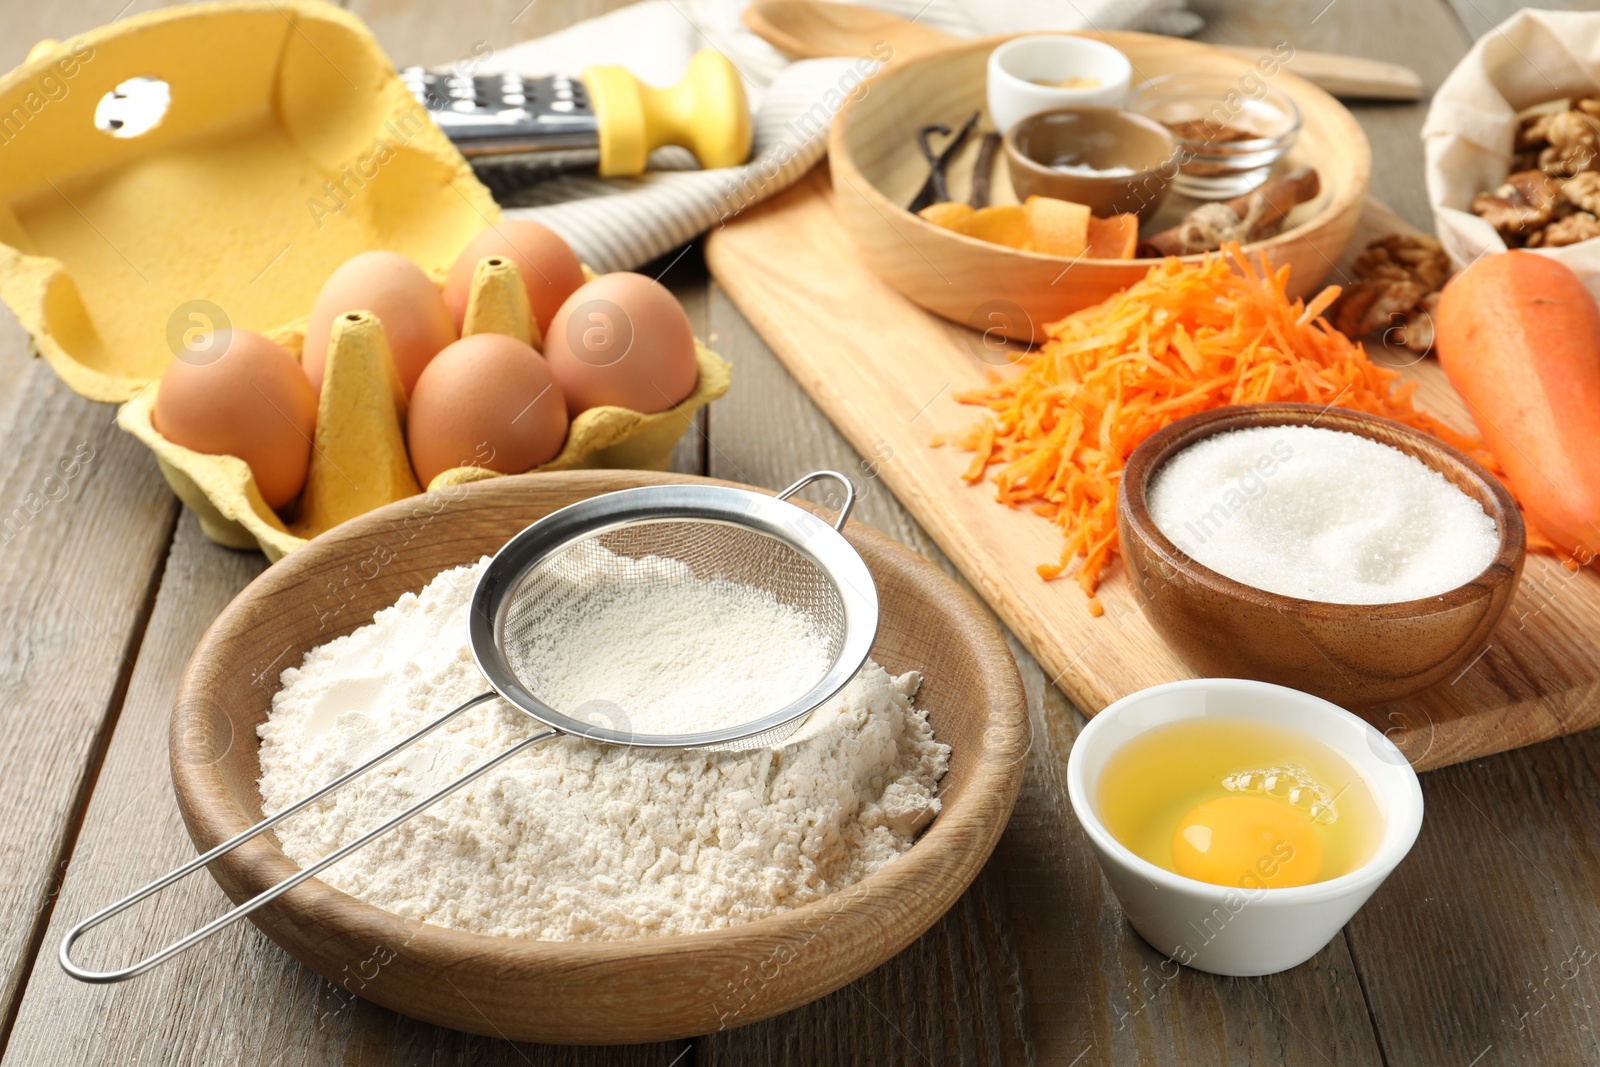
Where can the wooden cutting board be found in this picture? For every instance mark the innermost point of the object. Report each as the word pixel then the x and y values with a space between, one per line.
pixel 884 371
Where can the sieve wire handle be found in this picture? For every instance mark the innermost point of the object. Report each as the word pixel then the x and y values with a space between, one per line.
pixel 849 493
pixel 269 895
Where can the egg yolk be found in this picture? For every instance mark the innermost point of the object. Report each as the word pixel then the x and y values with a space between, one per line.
pixel 1249 841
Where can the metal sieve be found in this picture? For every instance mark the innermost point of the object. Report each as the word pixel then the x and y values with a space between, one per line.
pixel 645 541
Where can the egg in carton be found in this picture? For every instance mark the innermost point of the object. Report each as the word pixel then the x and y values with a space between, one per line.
pixel 224 159
pixel 359 430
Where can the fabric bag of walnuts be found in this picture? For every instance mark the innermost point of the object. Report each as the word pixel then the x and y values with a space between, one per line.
pixel 1513 143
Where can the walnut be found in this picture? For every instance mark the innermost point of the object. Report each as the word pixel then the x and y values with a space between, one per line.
pixel 1511 218
pixel 1583 190
pixel 1579 226
pixel 1527 202
pixel 1587 105
pixel 1417 258
pixel 1533 131
pixel 1397 281
pixel 1416 332
pixel 1574 143
pixel 1535 188
pixel 1373 303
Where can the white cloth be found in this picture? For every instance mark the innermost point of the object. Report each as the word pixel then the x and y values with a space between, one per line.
pixel 1530 58
pixel 619 224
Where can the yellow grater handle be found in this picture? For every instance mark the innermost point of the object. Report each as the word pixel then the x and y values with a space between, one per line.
pixel 705 112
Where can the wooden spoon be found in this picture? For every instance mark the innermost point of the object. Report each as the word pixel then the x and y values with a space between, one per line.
pixel 811 29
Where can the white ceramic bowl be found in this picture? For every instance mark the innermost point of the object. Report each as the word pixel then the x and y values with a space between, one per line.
pixel 1014 66
pixel 1228 930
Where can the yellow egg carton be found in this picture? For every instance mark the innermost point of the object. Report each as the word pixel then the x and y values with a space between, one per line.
pixel 282 144
pixel 358 456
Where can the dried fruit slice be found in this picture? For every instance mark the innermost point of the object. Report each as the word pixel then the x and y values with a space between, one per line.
pixel 1004 224
pixel 1059 227
pixel 1113 238
pixel 949 214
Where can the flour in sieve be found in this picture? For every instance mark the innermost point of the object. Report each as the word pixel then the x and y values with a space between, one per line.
pixel 627 648
pixel 576 840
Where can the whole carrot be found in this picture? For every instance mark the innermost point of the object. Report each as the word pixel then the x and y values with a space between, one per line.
pixel 1519 337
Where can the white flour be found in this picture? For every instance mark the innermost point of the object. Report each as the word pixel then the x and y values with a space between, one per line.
pixel 613 651
pixel 576 840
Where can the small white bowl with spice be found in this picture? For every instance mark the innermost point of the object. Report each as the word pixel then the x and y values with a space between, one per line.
pixel 1027 75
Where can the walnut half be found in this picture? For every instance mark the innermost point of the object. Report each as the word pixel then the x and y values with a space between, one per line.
pixel 1397 284
pixel 1579 226
pixel 1574 138
pixel 1583 190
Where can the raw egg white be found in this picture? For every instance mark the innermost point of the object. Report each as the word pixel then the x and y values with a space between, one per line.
pixel 416 322
pixel 550 269
pixel 244 396
pixel 622 339
pixel 486 401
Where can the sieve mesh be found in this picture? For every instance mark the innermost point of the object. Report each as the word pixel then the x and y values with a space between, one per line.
pixel 638 558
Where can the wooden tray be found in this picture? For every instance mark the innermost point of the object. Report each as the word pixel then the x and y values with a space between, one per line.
pixel 884 370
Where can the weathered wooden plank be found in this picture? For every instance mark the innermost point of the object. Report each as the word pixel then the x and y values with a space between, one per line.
pixel 238 998
pixel 83 527
pixel 84 523
pixel 1484 946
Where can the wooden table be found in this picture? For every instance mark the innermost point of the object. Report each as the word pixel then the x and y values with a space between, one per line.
pixel 1480 950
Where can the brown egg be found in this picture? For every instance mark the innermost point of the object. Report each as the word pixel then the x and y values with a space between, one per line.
pixel 622 339
pixel 486 401
pixel 549 268
pixel 416 322
pixel 241 395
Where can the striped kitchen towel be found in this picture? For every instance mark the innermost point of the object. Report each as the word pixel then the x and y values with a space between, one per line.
pixel 621 223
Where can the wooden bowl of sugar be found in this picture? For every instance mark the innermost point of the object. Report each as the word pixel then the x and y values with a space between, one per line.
pixel 584 992
pixel 1354 654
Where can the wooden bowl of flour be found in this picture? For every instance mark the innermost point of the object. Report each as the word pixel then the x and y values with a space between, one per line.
pixel 647 989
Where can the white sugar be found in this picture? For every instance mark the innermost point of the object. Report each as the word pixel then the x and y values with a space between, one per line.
pixel 1321 515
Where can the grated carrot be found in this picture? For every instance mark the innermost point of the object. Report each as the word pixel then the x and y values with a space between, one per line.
pixel 1185 339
